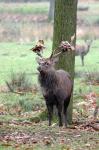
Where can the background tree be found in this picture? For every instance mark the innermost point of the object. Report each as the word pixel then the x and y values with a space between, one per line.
pixel 64 27
pixel 51 10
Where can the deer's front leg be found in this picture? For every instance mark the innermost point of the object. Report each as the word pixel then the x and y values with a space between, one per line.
pixel 50 112
pixel 82 59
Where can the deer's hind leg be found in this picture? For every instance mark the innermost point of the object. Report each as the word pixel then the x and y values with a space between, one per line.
pixel 66 103
pixel 59 108
pixel 82 60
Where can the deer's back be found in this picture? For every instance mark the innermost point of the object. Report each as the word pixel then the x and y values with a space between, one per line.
pixel 65 83
pixel 81 50
pixel 56 84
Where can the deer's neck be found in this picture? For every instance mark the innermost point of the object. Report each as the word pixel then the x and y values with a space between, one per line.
pixel 88 48
pixel 48 80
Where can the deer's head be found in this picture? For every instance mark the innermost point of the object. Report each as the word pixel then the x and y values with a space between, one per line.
pixel 47 64
pixel 89 42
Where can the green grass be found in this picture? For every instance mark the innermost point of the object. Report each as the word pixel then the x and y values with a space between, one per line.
pixel 24 8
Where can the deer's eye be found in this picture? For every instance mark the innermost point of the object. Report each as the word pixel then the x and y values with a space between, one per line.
pixel 46 63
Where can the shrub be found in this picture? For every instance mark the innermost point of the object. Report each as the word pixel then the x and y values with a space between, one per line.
pixel 19 82
pixel 26 105
pixel 31 102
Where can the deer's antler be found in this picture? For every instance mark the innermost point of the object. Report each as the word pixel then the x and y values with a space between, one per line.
pixel 52 54
pixel 64 47
pixel 72 39
pixel 38 48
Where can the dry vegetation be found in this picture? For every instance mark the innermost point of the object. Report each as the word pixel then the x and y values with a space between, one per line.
pixel 18 22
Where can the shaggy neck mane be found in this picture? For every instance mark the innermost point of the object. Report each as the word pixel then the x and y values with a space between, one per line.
pixel 48 80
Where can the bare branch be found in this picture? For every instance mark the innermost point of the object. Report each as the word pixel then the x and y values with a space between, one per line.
pixel 57 54
pixel 11 90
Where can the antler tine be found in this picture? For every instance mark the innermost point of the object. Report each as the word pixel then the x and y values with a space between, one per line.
pixel 53 52
pixel 57 54
pixel 72 39
pixel 38 48
pixel 63 47
pixel 39 54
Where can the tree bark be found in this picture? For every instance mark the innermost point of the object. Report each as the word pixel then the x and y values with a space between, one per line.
pixel 65 16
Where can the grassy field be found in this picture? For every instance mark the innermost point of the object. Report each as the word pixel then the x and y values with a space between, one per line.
pixel 16 57
pixel 24 8
pixel 43 8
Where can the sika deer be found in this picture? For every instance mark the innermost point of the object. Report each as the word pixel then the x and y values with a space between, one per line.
pixel 82 50
pixel 56 86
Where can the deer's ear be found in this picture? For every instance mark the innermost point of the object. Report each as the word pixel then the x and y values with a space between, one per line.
pixel 54 60
pixel 72 39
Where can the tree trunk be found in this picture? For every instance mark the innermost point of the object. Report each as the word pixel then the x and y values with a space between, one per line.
pixel 51 10
pixel 64 27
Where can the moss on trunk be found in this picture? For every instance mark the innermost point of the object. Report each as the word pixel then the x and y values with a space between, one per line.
pixel 64 27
